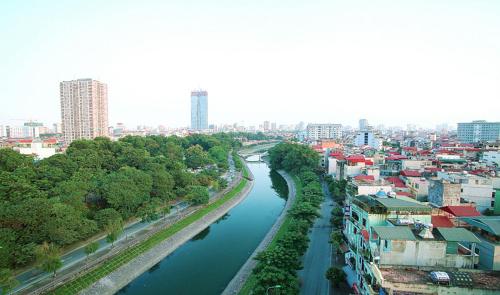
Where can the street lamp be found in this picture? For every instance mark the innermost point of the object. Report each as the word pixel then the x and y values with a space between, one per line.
pixel 272 287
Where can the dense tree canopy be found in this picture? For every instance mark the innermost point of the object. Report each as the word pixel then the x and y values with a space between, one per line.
pixel 96 183
pixel 293 157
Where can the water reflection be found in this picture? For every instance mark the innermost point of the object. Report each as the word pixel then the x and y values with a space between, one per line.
pixel 154 268
pixel 203 234
pixel 279 184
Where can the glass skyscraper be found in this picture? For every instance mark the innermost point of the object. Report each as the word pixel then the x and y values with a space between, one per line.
pixel 199 110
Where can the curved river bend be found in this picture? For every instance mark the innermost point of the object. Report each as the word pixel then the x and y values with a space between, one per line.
pixel 207 263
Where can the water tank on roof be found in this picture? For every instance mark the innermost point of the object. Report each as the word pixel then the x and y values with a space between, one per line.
pixel 381 194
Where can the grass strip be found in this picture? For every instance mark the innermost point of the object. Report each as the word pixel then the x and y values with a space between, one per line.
pixel 86 280
pixel 251 281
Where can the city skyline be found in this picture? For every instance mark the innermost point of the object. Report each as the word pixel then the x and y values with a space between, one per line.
pixel 335 54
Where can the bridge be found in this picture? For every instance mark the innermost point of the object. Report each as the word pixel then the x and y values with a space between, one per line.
pixel 254 157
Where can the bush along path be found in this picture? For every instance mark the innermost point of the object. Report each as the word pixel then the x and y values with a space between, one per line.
pixel 277 266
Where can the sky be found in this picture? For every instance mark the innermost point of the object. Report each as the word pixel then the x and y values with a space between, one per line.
pixel 396 62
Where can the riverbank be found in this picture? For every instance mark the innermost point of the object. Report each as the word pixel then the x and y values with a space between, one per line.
pixel 239 280
pixel 125 274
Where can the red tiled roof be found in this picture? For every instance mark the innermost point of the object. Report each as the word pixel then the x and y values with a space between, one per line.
pixel 395 158
pixel 365 177
pixel 355 158
pixel 396 181
pixel 461 211
pixel 369 162
pixel 50 141
pixel 405 194
pixel 410 173
pixel 441 221
pixel 337 155
pixel 432 169
pixel 25 140
pixel 410 148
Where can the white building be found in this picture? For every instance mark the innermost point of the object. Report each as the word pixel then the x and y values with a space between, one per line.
pixel 22 132
pixel 473 188
pixel 324 131
pixel 37 149
pixel 368 138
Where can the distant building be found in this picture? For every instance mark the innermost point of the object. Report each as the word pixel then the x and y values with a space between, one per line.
pixel 22 131
pixel 368 138
pixel 363 124
pixel 266 125
pixel 84 109
pixel 199 110
pixel 324 131
pixel 478 131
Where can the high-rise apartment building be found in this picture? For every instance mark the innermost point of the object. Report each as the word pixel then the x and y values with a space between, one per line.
pixel 324 131
pixel 363 124
pixel 477 131
pixel 84 109
pixel 199 110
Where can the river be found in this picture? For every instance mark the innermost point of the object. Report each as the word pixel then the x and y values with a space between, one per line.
pixel 207 263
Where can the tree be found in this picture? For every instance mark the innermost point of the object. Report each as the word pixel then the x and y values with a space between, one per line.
pixel 114 229
pixel 48 258
pixel 335 275
pixel 106 216
pixel 196 157
pixel 336 239
pixel 305 211
pixel 91 248
pixel 7 280
pixel 126 189
pixel 197 195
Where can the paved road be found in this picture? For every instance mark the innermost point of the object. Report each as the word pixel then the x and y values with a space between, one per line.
pixel 32 276
pixel 317 259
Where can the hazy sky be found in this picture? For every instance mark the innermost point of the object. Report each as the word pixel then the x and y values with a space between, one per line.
pixel 392 62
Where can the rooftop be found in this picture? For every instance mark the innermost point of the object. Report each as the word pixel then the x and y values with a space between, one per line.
pixel 386 205
pixel 480 279
pixel 458 234
pixel 490 224
pixel 441 221
pixel 402 233
pixel 461 211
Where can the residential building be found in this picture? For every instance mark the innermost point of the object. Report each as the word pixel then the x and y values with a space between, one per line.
pixel 390 232
pixel 491 158
pixel 324 131
pixel 368 138
pixel 407 164
pixel 22 132
pixel 478 131
pixel 363 124
pixel 84 109
pixel 408 280
pixel 487 228
pixel 444 193
pixel 199 110
pixel 473 188
pixel 37 148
